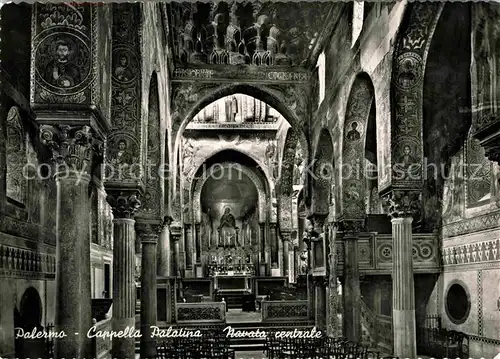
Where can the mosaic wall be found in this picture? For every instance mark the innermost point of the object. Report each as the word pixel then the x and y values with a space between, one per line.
pixel 486 26
pixel 16 45
pixel 408 73
pixel 62 53
pixel 150 205
pixel 353 152
pixel 16 182
pixel 70 57
pixel 479 174
pixel 124 141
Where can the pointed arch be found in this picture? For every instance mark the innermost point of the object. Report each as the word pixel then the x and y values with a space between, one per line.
pixel 257 177
pixel 406 95
pixel 153 199
pixel 269 96
pixel 323 174
pixel 446 93
pixel 353 181
pixel 16 182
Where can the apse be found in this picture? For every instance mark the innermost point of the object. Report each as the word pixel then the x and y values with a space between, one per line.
pixel 229 188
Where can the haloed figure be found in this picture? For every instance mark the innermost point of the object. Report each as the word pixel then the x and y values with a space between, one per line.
pixel 61 71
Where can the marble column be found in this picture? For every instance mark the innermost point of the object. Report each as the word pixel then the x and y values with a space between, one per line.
pixel 148 231
pixel 176 234
pixel 189 248
pixel 164 250
pixel 334 327
pixel 403 289
pixel 308 237
pixel 286 252
pixel 124 204
pixel 320 303
pixel 352 290
pixel 273 241
pixel 198 242
pixel 403 205
pixel 73 150
pixel 262 235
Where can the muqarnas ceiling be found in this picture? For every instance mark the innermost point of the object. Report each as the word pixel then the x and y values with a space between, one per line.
pixel 252 33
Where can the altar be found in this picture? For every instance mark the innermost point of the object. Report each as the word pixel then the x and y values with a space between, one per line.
pixel 233 283
pixel 229 283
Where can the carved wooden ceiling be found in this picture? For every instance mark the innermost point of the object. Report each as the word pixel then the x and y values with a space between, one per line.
pixel 239 33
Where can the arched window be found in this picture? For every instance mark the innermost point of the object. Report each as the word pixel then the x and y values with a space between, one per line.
pixel 357 20
pixel 322 76
pixel 17 184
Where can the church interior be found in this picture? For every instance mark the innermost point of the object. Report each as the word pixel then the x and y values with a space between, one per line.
pixel 221 167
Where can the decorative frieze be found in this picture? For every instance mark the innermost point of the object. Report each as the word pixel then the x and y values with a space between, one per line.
pixel 200 312
pixel 284 310
pixel 23 229
pixel 261 76
pixel 26 263
pixel 375 253
pixel 479 252
pixel 471 225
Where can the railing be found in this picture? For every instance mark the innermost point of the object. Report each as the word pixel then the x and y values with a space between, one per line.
pixel 205 312
pixel 101 347
pixel 438 342
pixel 386 333
pixel 375 254
pixel 369 320
pixel 23 262
pixel 379 326
pixel 284 310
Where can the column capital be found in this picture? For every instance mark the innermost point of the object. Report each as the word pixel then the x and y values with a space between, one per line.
pixel 167 221
pixel 286 235
pixel 148 231
pixel 124 203
pixel 73 148
pixel 321 280
pixel 403 203
pixel 318 221
pixel 176 230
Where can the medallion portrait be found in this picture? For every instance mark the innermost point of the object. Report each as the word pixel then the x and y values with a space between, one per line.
pixel 62 62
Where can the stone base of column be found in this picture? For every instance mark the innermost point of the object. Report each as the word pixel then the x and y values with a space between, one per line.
pixel 405 342
pixel 124 348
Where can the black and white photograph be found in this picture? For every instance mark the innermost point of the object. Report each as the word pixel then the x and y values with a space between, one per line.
pixel 244 179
